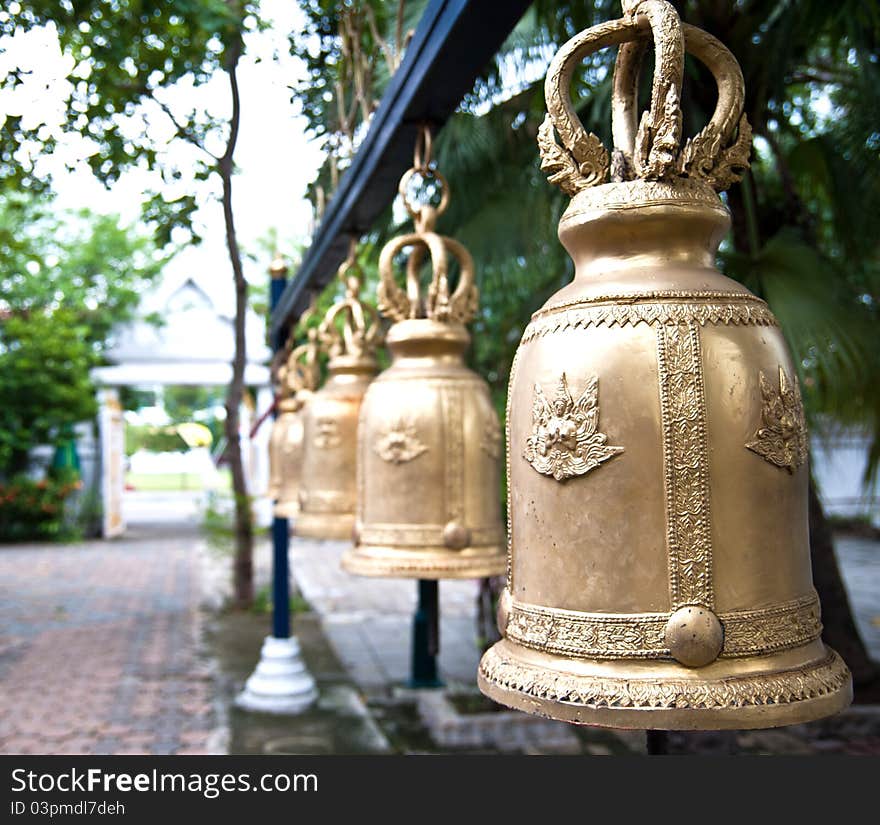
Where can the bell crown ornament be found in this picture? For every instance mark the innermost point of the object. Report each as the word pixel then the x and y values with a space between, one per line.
pixel 429 438
pixel 659 567
pixel 350 333
pixel 299 372
pixel 651 150
pixel 437 304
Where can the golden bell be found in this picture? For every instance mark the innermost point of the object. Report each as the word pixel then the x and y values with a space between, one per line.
pixel 329 487
pixel 429 438
pixel 297 379
pixel 659 571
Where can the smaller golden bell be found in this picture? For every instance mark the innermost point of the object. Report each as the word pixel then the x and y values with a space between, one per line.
pixel 297 378
pixel 429 437
pixel 350 333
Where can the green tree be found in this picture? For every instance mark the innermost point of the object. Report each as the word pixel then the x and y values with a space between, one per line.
pixel 66 279
pixel 91 265
pixel 127 55
pixel 44 374
pixel 350 50
pixel 181 402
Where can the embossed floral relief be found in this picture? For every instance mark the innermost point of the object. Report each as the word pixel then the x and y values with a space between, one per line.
pixel 565 439
pixel 399 442
pixel 327 433
pixel 782 438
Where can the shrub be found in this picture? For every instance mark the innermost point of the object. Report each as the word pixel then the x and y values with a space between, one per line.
pixel 32 509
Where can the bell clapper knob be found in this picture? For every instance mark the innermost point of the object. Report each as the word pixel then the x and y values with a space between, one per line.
pixel 456 536
pixel 694 636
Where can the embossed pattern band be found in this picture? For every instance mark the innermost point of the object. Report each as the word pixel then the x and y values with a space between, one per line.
pixel 635 309
pixel 685 465
pixel 807 682
pixel 641 636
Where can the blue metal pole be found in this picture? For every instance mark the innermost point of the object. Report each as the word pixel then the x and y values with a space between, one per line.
pixel 280 527
pixel 280 579
pixel 426 637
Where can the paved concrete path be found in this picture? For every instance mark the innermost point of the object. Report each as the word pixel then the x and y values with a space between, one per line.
pixel 369 620
pixel 99 647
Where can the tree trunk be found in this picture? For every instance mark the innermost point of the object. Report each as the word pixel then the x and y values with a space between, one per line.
pixel 243 584
pixel 840 628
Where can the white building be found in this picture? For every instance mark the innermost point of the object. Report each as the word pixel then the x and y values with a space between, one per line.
pixel 194 345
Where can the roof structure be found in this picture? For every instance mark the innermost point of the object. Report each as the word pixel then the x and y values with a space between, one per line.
pixel 194 345
pixel 454 41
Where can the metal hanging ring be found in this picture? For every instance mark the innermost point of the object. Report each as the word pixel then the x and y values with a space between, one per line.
pixel 422 153
pixel 350 266
pixel 402 188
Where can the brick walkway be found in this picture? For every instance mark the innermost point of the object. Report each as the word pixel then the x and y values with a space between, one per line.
pixel 369 621
pixel 98 648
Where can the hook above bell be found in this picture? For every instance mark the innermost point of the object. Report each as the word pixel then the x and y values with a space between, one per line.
pixel 349 333
pixel 659 571
pixel 429 438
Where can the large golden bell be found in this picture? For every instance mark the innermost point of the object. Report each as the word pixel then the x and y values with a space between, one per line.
pixel 297 378
pixel 659 570
pixel 429 437
pixel 328 489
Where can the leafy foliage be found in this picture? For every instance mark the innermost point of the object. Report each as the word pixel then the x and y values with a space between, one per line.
pixel 182 402
pixel 350 51
pixel 65 281
pixel 85 263
pixel 153 439
pixel 127 54
pixel 44 366
pixel 124 52
pixel 35 509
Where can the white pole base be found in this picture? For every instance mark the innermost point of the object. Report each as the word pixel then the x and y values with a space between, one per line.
pixel 280 684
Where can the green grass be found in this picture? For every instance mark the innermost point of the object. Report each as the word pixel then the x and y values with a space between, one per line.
pixel 154 482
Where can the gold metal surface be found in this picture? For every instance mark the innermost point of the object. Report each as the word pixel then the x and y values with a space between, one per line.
pixel 296 377
pixel 429 438
pixel 297 380
pixel 350 333
pixel 659 567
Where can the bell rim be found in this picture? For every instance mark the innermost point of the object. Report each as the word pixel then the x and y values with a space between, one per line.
pixel 436 562
pixel 512 681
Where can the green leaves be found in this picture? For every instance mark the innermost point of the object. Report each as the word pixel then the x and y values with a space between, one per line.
pixel 88 264
pixel 65 281
pixel 126 53
pixel 44 366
